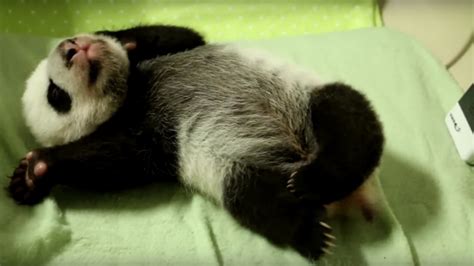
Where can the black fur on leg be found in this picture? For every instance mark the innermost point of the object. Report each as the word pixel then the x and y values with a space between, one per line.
pixel 156 40
pixel 314 232
pixel 117 155
pixel 350 140
pixel 266 208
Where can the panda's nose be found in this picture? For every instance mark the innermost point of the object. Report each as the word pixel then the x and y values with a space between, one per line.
pixel 70 47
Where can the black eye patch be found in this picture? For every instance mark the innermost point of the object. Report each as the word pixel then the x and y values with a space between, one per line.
pixel 58 98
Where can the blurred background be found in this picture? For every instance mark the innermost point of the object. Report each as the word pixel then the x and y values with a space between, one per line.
pixel 445 27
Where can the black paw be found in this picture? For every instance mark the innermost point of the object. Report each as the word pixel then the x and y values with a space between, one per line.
pixel 297 186
pixel 315 240
pixel 29 183
pixel 306 185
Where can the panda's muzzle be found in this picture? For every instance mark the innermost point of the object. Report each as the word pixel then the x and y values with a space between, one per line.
pixel 84 51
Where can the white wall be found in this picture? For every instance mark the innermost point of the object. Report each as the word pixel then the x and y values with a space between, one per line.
pixel 443 26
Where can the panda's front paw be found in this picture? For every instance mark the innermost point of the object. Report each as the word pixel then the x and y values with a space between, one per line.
pixel 29 183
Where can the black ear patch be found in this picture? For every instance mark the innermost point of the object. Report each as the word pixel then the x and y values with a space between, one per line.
pixel 58 98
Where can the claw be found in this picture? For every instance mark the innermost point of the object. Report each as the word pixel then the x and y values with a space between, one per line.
pixel 325 225
pixel 293 174
pixel 330 236
pixel 330 244
pixel 327 251
pixel 290 185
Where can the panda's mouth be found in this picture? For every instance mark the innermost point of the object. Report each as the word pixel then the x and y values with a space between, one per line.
pixel 91 66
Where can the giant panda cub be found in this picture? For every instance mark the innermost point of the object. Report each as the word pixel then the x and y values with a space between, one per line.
pixel 266 140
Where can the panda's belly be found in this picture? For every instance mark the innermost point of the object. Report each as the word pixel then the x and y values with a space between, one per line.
pixel 199 166
pixel 222 120
pixel 203 172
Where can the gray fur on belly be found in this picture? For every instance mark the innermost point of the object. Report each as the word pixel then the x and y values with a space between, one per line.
pixel 231 105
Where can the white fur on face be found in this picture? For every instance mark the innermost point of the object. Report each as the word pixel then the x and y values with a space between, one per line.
pixel 91 105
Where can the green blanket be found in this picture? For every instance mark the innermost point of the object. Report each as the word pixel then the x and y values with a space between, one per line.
pixel 427 219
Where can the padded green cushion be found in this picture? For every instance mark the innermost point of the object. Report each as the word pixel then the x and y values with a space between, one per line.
pixel 218 20
pixel 427 219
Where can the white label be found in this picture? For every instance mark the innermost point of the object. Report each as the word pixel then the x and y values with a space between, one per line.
pixel 461 133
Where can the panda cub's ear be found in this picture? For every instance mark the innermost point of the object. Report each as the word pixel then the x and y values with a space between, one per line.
pixel 58 98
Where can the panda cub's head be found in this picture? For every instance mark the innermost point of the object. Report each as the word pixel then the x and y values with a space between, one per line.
pixel 77 87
